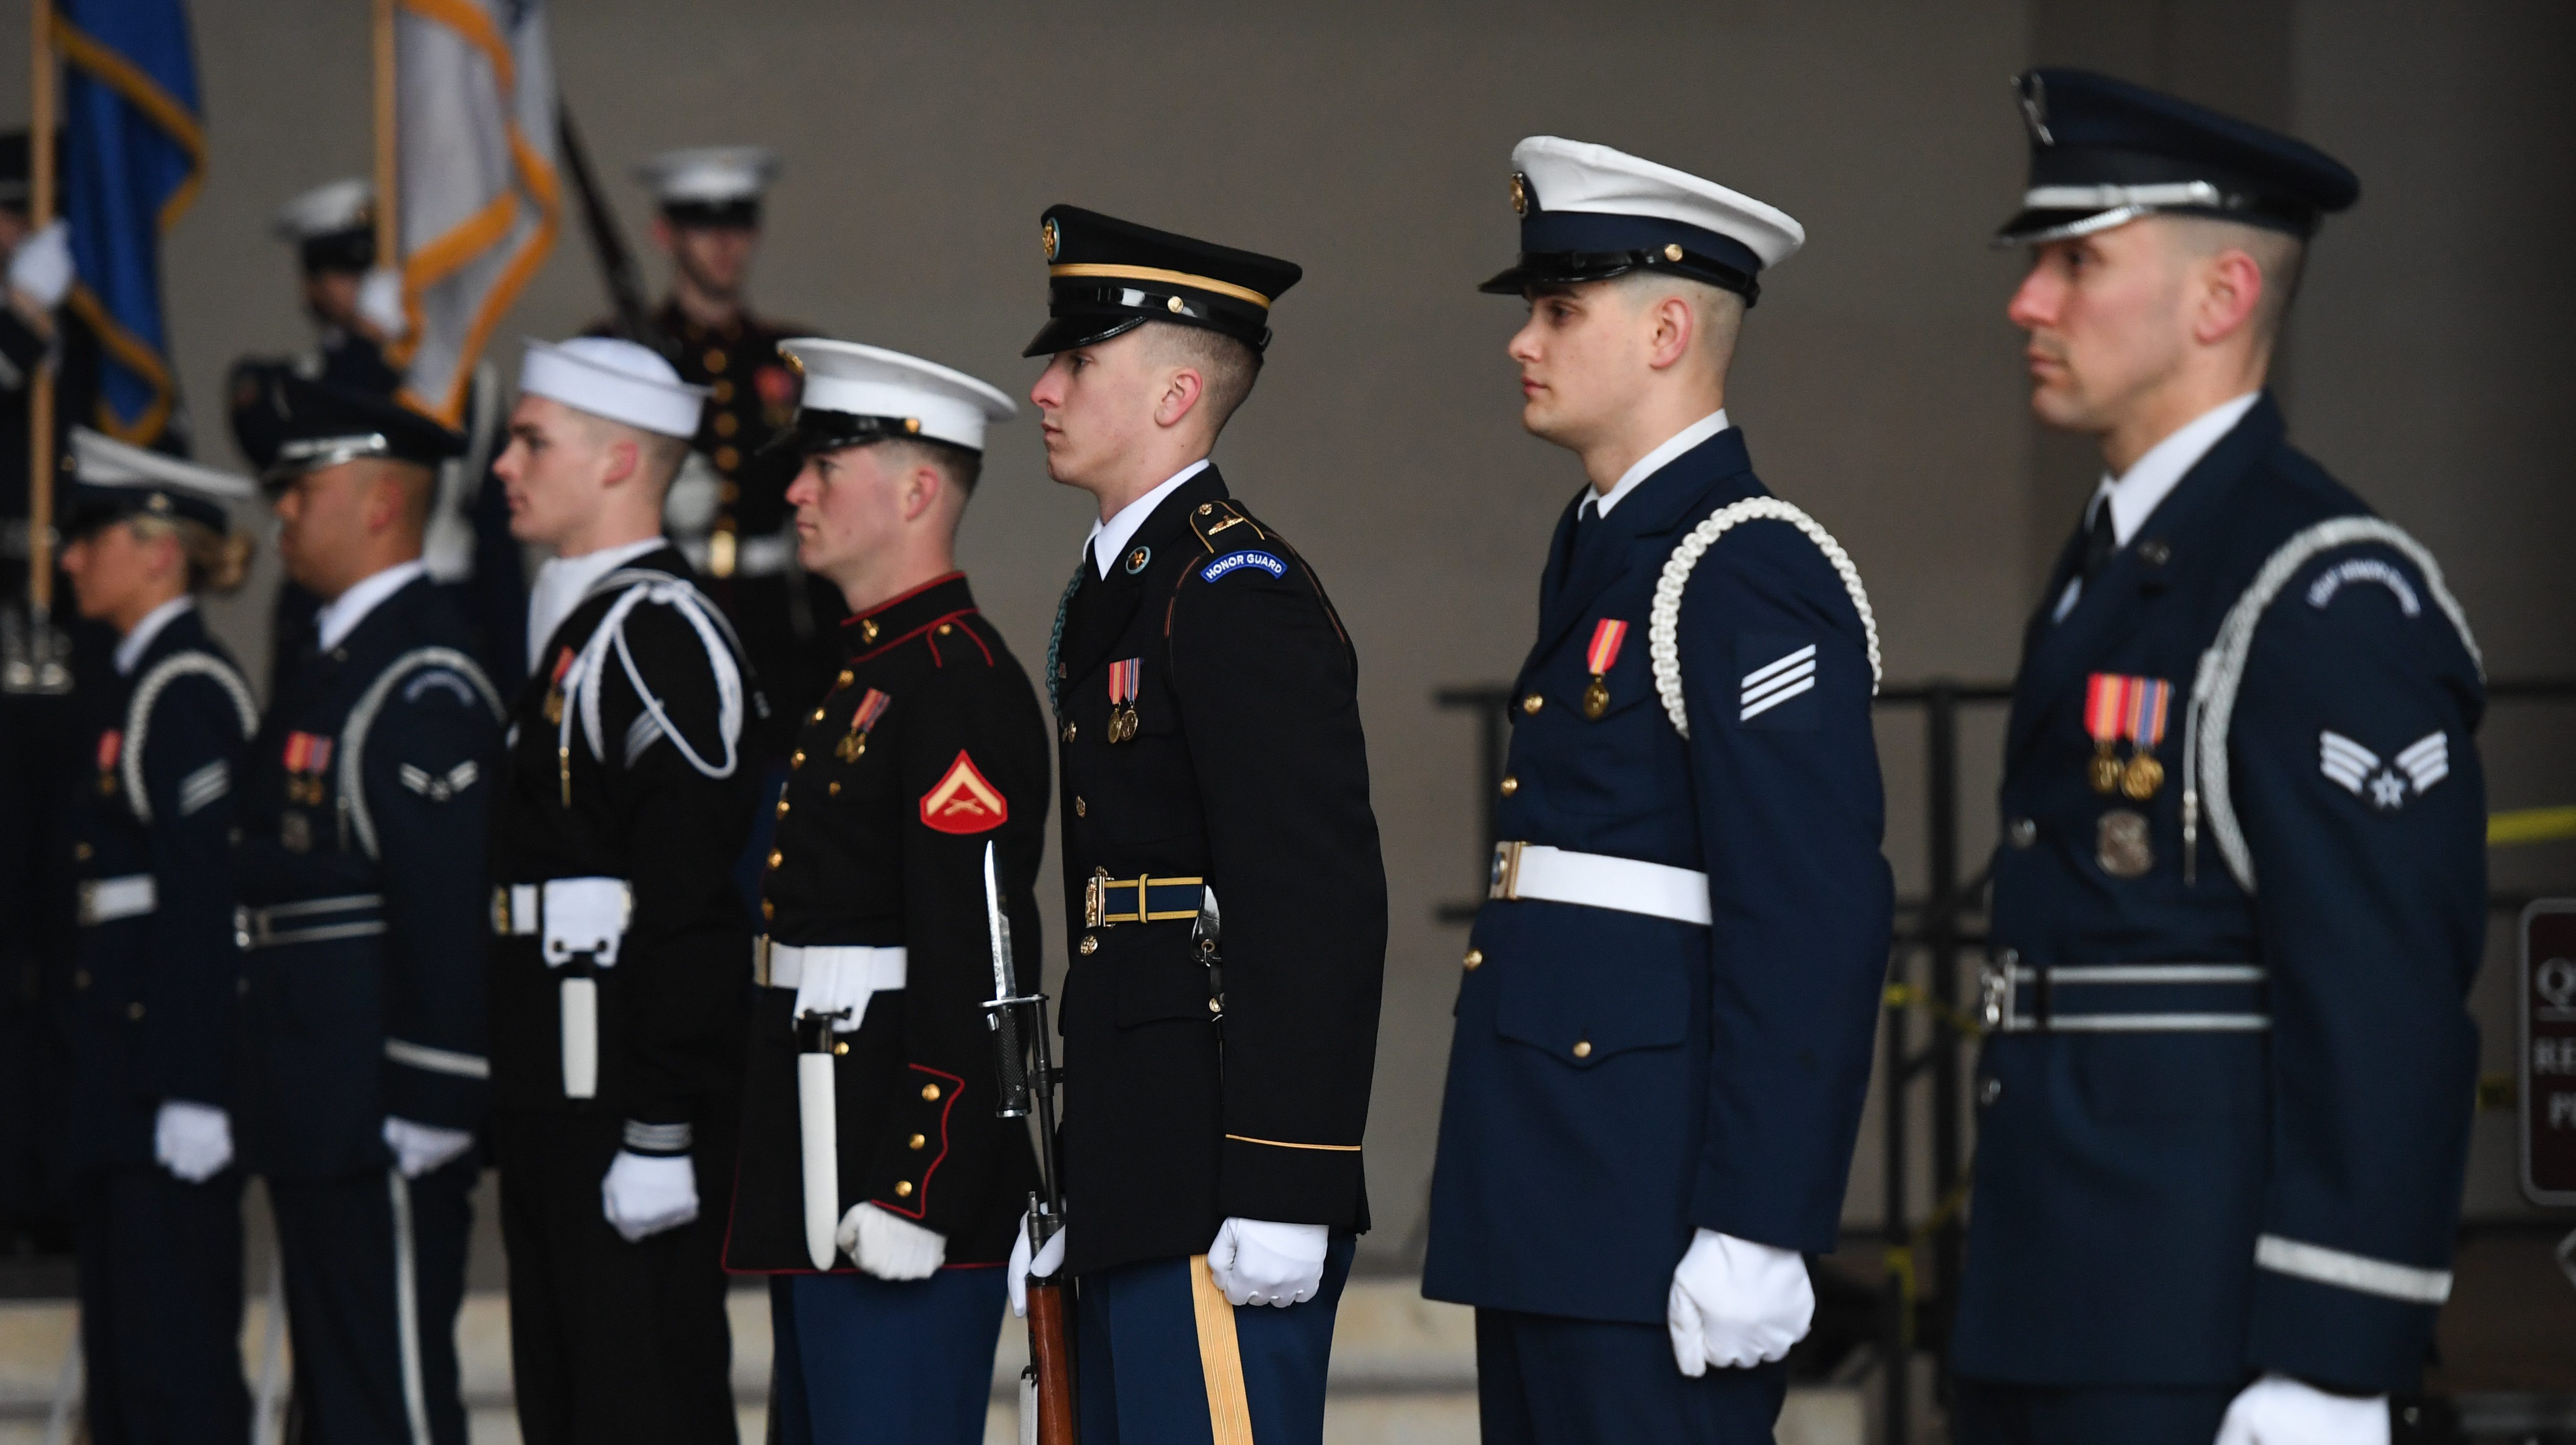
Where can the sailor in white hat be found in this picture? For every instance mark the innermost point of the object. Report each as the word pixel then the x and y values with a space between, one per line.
pixel 878 1187
pixel 1665 1017
pixel 620 934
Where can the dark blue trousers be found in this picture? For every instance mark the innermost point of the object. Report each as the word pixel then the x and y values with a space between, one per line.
pixel 161 1306
pixel 1142 1356
pixel 1550 1380
pixel 1986 1412
pixel 865 1361
pixel 375 1275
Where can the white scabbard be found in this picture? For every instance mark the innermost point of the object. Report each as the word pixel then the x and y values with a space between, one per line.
pixel 817 1121
pixel 1029 1405
pixel 580 1009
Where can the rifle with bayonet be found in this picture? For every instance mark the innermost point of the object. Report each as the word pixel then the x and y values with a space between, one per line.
pixel 1028 1078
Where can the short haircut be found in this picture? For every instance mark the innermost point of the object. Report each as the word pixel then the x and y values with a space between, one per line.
pixel 658 455
pixel 961 466
pixel 2280 256
pixel 417 482
pixel 1720 311
pixel 1226 367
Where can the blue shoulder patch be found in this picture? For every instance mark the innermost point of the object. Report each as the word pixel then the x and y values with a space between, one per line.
pixel 1235 561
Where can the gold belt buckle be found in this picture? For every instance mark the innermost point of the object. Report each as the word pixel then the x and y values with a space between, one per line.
pixel 760 961
pixel 1094 906
pixel 501 910
pixel 1506 882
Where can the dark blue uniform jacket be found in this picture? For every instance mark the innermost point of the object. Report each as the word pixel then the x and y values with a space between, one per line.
pixel 2186 1208
pixel 1618 1080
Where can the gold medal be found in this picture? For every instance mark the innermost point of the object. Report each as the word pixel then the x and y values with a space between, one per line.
pixel 1126 679
pixel 850 747
pixel 1599 656
pixel 2106 771
pixel 554 706
pixel 106 785
pixel 2122 846
pixel 2142 777
pixel 1596 698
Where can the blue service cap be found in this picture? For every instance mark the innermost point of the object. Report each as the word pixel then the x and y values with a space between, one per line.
pixel 2104 152
pixel 1589 212
pixel 112 481
pixel 315 424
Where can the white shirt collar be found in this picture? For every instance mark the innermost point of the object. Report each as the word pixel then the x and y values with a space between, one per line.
pixel 2136 493
pixel 343 614
pixel 563 581
pixel 1654 461
pixel 129 649
pixel 1109 538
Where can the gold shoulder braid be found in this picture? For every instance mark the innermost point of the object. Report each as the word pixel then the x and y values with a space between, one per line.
pixel 1222 515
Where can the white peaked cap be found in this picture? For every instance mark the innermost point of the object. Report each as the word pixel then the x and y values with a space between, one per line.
pixel 870 381
pixel 342 205
pixel 101 461
pixel 709 173
pixel 1577 176
pixel 620 380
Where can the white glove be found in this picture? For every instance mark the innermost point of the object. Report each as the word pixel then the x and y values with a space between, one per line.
pixel 1736 1304
pixel 419 1148
pixel 1049 1260
pixel 890 1246
pixel 1257 1262
pixel 380 303
pixel 192 1141
pixel 41 268
pixel 2277 1410
pixel 644 1194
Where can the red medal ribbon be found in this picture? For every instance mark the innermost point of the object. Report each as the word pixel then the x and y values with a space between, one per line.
pixel 1124 678
pixel 2127 709
pixel 2148 698
pixel 871 707
pixel 1607 634
pixel 110 744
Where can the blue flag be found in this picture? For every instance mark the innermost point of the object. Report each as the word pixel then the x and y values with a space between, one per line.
pixel 135 151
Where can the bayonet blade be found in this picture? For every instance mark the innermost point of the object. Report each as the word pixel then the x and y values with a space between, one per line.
pixel 1005 975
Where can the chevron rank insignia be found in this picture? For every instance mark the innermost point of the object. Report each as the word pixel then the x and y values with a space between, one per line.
pixel 963 802
pixel 2384 785
pixel 1777 688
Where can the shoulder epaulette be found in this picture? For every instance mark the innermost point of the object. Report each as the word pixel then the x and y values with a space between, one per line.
pixel 1222 516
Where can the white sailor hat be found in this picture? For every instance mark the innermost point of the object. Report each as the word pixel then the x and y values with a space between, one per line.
pixel 112 481
pixel 1589 212
pixel 858 394
pixel 333 226
pixel 620 380
pixel 711 185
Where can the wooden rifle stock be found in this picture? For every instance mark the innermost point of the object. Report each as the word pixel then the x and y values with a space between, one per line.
pixel 1051 1362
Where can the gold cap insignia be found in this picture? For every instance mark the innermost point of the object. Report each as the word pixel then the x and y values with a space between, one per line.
pixel 1050 238
pixel 912 424
pixel 1175 303
pixel 1520 194
pixel 1672 251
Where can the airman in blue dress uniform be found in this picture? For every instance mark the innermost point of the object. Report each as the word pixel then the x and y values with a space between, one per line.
pixel 2240 896
pixel 156 1187
pixel 364 820
pixel 1664 1027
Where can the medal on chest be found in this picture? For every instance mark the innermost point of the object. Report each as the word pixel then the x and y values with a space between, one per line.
pixel 110 744
pixel 554 688
pixel 307 758
pixel 1598 659
pixel 854 744
pixel 1124 680
pixel 2129 710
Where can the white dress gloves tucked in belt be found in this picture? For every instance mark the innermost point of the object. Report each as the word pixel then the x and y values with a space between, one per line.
pixel 193 1141
pixel 1736 1304
pixel 2277 1410
pixel 644 1194
pixel 1257 1262
pixel 890 1246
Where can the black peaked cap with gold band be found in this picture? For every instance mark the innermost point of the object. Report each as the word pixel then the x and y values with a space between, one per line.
pixel 1106 276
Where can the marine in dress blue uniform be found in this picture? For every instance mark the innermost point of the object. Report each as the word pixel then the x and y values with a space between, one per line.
pixel 156 1190
pixel 1223 886
pixel 363 823
pixel 2225 1092
pixel 876 961
pixel 1664 1024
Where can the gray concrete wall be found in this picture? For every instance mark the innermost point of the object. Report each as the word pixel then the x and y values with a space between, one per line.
pixel 1879 386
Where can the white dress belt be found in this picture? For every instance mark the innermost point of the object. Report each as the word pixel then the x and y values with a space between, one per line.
pixel 829 978
pixel 105 900
pixel 1597 880
pixel 574 915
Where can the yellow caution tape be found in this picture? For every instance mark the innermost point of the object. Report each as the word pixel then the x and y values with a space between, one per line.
pixel 2530 825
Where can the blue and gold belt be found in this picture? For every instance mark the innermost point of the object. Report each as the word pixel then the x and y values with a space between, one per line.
pixel 1107 901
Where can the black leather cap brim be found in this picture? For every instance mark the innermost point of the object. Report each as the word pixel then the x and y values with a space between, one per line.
pixel 1087 328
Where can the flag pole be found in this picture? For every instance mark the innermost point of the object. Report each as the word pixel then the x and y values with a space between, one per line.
pixel 388 159
pixel 40 385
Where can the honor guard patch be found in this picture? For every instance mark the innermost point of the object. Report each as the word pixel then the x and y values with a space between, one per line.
pixel 1236 561
pixel 1779 682
pixel 964 802
pixel 2385 786
pixel 2367 570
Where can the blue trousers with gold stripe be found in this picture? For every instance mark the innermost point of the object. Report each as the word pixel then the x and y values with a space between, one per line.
pixel 865 1361
pixel 1162 1359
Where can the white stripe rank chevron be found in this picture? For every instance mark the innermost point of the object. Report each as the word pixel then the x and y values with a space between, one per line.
pixel 2345 761
pixel 204 786
pixel 1774 683
pixel 2427 760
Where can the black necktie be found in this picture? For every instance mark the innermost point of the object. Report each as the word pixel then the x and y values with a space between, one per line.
pixel 2101 542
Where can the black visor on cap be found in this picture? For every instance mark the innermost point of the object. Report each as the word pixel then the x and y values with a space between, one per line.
pixel 350 250
pixel 1566 247
pixel 738 215
pixel 817 430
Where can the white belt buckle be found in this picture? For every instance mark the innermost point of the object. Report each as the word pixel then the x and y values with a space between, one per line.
pixel 585 916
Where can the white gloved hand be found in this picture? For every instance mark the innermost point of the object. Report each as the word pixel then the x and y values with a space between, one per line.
pixel 644 1194
pixel 1257 1262
pixel 890 1246
pixel 1736 1304
pixel 420 1148
pixel 192 1141
pixel 1049 1260
pixel 2277 1410
pixel 41 268
pixel 380 303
